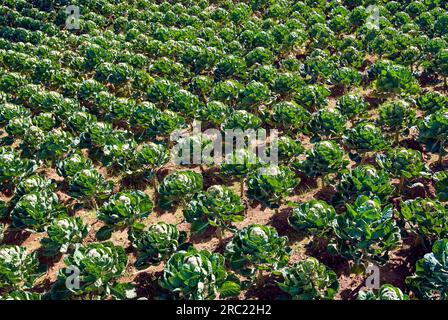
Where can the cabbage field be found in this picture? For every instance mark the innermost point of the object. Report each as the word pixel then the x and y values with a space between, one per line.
pixel 113 120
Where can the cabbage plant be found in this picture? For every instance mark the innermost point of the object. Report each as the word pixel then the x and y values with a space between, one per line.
pixel 287 149
pixel 229 66
pixel 163 123
pixel 217 207
pixel 185 102
pixel 404 164
pixel 72 164
pixel 365 232
pixel 287 83
pixel 315 217
pixel 21 295
pixel 430 278
pixel 63 234
pixel 351 106
pixel 364 137
pixel 309 280
pixel 18 269
pixel 151 157
pixel 441 185
pixel 324 158
pixel 46 121
pixel 98 266
pixel 242 120
pixel 96 134
pixel 328 124
pixel 157 243
pixel 33 183
pixel 345 77
pixel 312 97
pixel 363 180
pixel 9 111
pixel 239 163
pixel 118 152
pixel 441 65
pixel 271 184
pixel 396 117
pixel 36 210
pixel 215 113
pixel 18 126
pixel 431 102
pixel 13 166
pixel 433 133
pixel 89 184
pixel 227 91
pixel 426 217
pixel 79 120
pixel 143 115
pixel 395 79
pixel 2 232
pixel 124 209
pixel 254 94
pixel 197 275
pixel 290 116
pixel 179 186
pixel 257 247
pixel 386 292
pixel 192 147
pixel 56 144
